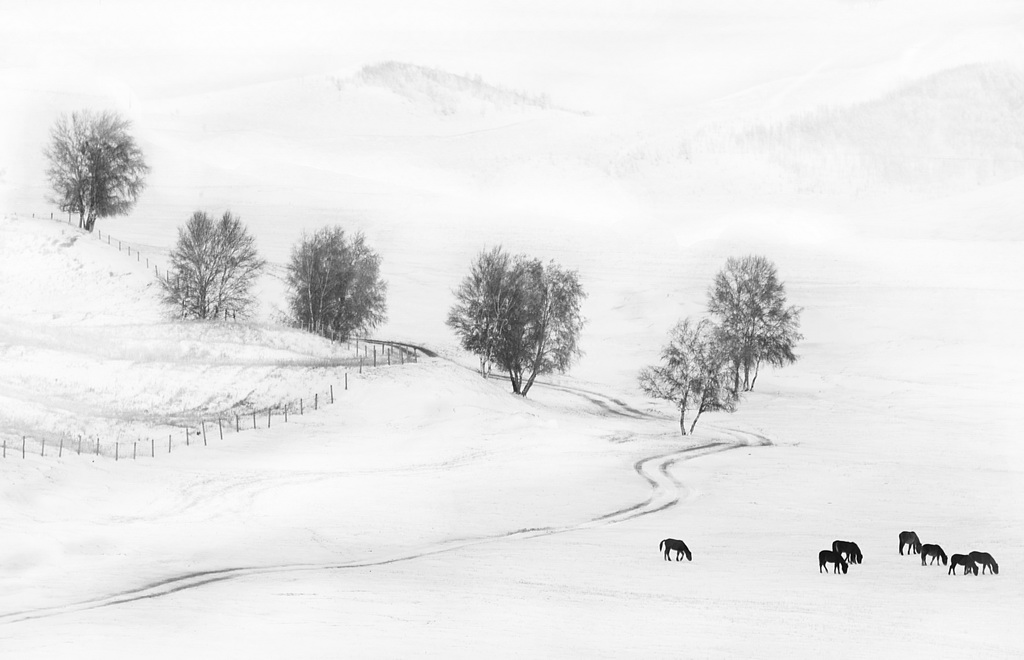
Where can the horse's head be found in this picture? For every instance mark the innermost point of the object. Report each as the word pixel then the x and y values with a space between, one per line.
pixel 846 567
pixel 944 558
pixel 995 567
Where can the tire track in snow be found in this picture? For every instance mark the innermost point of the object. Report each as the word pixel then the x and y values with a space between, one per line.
pixel 666 492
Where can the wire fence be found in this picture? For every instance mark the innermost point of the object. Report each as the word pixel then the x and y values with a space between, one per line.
pixel 187 430
pixel 202 429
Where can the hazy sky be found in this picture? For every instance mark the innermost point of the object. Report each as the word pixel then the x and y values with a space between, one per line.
pixel 599 55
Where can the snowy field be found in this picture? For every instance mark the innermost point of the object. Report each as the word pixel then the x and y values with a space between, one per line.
pixel 873 150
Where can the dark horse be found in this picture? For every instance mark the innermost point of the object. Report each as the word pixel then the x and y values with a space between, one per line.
pixel 986 561
pixel 832 557
pixel 933 551
pixel 675 544
pixel 962 560
pixel 910 538
pixel 848 549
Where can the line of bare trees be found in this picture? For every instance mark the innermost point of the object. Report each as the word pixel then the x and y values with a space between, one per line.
pixel 513 312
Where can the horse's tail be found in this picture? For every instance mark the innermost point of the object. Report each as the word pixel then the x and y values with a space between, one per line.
pixel 661 546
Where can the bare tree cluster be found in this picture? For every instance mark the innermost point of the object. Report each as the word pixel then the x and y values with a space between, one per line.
pixel 520 315
pixel 94 166
pixel 214 266
pixel 335 288
pixel 706 365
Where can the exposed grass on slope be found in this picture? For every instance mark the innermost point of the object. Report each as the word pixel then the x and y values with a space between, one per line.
pixel 448 93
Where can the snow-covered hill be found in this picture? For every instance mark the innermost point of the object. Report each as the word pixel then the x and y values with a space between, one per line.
pixel 870 149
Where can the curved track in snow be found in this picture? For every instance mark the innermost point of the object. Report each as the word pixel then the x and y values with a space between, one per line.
pixel 666 492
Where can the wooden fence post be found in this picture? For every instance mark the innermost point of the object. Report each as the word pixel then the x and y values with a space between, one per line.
pixel 286 413
pixel 203 422
pixel 316 400
pixel 5 447
pixel 374 357
pixel 268 418
pixel 60 451
pixel 117 449
pixel 300 406
pixel 360 364
pixel 253 419
pixel 168 443
pixel 135 449
pixel 220 429
pixel 97 446
pixel 79 444
pixel 332 393
pixel 186 436
pixel 42 452
pixel 346 381
pixel 238 427
pixel 23 446
pixel 152 447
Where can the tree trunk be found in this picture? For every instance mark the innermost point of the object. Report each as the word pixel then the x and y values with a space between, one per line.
pixel 516 381
pixel 682 422
pixel 757 370
pixel 699 411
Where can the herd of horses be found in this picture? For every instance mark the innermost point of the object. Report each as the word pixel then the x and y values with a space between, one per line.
pixel 970 561
pixel 844 553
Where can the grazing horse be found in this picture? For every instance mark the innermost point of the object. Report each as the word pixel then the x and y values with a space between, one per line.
pixel 677 545
pixel 848 549
pixel 986 561
pixel 962 560
pixel 832 557
pixel 910 538
pixel 933 551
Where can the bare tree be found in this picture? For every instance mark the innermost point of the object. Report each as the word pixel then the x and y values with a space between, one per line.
pixel 749 302
pixel 520 315
pixel 95 168
pixel 694 374
pixel 213 269
pixel 483 301
pixel 335 288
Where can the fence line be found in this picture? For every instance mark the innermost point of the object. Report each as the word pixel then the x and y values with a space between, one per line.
pixel 205 428
pixel 370 353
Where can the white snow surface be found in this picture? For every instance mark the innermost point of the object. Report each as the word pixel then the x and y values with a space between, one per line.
pixel 873 150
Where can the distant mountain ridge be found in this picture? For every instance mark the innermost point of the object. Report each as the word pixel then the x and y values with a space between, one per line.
pixel 448 93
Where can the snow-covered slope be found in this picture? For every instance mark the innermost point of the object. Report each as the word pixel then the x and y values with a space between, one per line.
pixel 870 149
